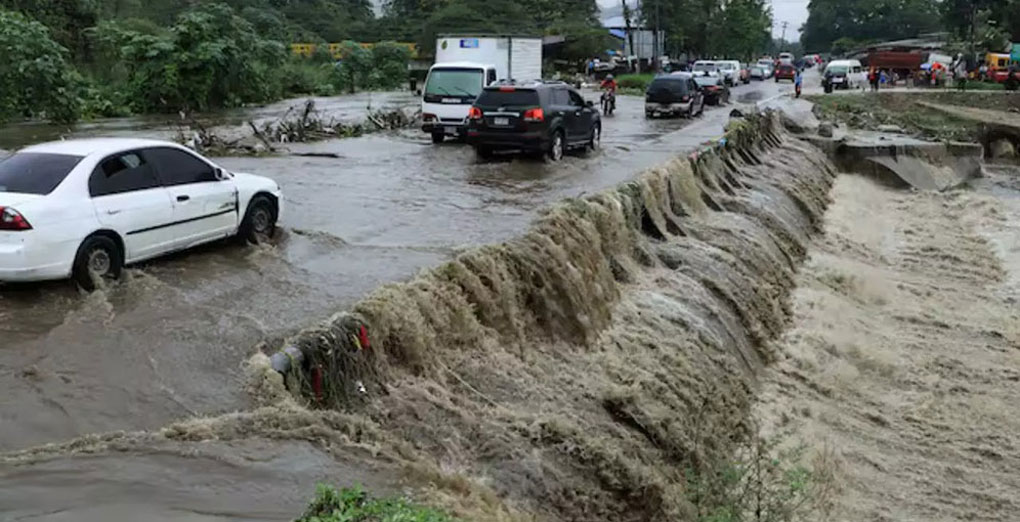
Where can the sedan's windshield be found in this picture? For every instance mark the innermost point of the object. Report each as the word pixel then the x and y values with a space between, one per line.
pixel 35 173
pixel 706 80
pixel 454 82
pixel 727 66
pixel 705 67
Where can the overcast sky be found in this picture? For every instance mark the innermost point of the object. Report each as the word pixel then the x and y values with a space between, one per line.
pixel 794 12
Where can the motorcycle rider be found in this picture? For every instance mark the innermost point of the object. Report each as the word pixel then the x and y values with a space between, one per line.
pixel 798 80
pixel 609 85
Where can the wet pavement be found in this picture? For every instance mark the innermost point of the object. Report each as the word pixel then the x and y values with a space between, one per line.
pixel 168 341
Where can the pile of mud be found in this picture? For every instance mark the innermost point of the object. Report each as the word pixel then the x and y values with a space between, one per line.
pixel 583 371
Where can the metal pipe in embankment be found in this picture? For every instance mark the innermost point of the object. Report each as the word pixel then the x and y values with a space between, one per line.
pixel 586 368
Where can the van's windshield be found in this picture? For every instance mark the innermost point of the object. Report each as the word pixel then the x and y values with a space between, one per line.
pixel 837 69
pixel 454 83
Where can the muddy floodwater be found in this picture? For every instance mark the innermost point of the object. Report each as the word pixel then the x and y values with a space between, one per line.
pixel 168 342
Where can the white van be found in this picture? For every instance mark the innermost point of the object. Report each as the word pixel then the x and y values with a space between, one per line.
pixel 844 74
pixel 709 67
pixel 730 70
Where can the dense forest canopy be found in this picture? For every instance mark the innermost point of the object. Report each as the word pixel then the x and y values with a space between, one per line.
pixel 72 58
pixel 840 25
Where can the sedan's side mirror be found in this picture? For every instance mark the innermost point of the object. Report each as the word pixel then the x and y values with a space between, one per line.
pixel 221 174
pixel 590 104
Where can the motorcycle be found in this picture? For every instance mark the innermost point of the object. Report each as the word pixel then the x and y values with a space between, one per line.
pixel 608 102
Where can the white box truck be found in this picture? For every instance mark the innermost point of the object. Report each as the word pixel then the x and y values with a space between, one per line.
pixel 464 65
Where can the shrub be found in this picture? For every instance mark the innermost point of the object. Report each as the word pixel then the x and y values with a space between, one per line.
pixel 35 78
pixel 635 81
pixel 353 505
pixel 211 58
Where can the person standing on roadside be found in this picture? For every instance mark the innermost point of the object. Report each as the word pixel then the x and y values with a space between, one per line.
pixel 960 74
pixel 873 79
pixel 798 80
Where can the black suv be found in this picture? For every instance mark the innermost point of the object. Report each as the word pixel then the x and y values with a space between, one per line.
pixel 538 117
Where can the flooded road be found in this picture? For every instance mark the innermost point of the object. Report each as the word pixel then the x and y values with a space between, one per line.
pixel 168 342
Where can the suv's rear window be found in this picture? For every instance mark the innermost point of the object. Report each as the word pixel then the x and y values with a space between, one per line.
pixel 514 98
pixel 673 85
pixel 35 173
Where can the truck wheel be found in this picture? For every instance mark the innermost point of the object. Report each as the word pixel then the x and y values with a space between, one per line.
pixel 483 152
pixel 438 137
pixel 98 258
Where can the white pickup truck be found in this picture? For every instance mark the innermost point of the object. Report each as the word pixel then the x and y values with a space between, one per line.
pixel 464 66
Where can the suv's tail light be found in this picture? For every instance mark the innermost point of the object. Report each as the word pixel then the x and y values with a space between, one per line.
pixel 429 117
pixel 685 98
pixel 11 219
pixel 534 115
pixel 474 113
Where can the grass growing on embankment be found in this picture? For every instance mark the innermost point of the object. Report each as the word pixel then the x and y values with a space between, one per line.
pixel 868 111
pixel 354 505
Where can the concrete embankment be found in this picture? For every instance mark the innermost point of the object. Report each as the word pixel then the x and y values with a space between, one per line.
pixel 582 371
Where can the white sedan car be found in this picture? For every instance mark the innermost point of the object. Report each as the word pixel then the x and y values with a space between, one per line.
pixel 85 208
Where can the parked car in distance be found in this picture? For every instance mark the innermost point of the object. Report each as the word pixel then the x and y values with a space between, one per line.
pixel 538 117
pixel 745 73
pixel 786 72
pixel 86 208
pixel 768 66
pixel 674 95
pixel 714 89
pixel 706 67
pixel 758 73
pixel 730 70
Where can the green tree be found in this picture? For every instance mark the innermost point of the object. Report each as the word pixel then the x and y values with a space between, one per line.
pixel 211 58
pixel 867 20
pixel 35 77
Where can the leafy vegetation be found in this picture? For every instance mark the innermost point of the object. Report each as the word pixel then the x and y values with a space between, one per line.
pixel 838 26
pixel 170 56
pixel 763 483
pixel 738 29
pixel 353 505
pixel 36 79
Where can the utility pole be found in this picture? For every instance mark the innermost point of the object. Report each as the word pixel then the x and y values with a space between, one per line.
pixel 783 38
pixel 656 40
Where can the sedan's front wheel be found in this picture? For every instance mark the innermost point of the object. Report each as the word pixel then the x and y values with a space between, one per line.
pixel 259 221
pixel 596 139
pixel 99 258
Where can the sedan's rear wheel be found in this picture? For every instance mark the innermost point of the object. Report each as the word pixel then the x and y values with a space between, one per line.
pixel 99 258
pixel 259 221
pixel 438 137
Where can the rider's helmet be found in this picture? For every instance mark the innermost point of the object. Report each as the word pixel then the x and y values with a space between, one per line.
pixel 609 76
